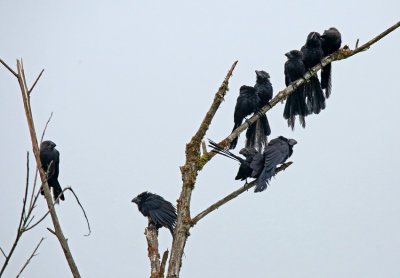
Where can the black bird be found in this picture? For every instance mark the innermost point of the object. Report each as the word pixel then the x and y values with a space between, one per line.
pixel 249 153
pixel 312 55
pixel 160 212
pixel 296 101
pixel 48 154
pixel 246 104
pixel 331 40
pixel 277 151
pixel 256 134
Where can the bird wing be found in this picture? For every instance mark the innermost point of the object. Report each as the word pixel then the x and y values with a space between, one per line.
pixel 161 211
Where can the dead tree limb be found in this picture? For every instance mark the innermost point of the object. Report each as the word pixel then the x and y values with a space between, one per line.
pixel 194 162
pixel 28 113
pixel 189 173
pixel 152 248
pixel 233 195
pixel 30 258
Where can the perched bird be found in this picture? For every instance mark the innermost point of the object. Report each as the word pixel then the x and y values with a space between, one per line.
pixel 245 170
pixel 246 104
pixel 312 55
pixel 256 134
pixel 160 212
pixel 260 166
pixel 296 101
pixel 49 156
pixel 277 151
pixel 331 40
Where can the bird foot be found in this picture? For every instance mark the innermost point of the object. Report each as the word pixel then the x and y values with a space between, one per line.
pixel 248 122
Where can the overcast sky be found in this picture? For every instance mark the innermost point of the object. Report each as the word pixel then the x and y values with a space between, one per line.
pixel 130 81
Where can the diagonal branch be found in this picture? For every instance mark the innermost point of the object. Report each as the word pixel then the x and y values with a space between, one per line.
pixel 233 195
pixel 30 258
pixel 189 173
pixel 7 67
pixel 341 54
pixel 34 84
pixel 60 236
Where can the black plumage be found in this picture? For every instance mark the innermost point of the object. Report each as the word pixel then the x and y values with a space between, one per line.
pixel 312 55
pixel 260 166
pixel 256 134
pixel 245 170
pixel 49 156
pixel 331 40
pixel 246 104
pixel 159 211
pixel 296 101
pixel 277 152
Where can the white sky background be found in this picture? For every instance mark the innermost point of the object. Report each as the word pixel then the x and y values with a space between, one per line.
pixel 130 81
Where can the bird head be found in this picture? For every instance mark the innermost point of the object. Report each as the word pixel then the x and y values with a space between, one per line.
pixel 262 74
pixel 294 54
pixel 141 197
pixel 314 39
pixel 292 142
pixel 47 145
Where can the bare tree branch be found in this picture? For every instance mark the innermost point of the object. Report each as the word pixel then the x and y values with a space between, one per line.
pixel 341 54
pixel 4 254
pixel 57 227
pixel 194 163
pixel 233 195
pixel 189 173
pixel 7 67
pixel 20 230
pixel 34 84
pixel 152 248
pixel 29 259
pixel 56 202
pixel 163 262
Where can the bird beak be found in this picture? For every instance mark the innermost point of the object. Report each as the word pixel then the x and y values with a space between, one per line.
pixel 287 55
pixel 292 142
pixel 135 200
pixel 257 72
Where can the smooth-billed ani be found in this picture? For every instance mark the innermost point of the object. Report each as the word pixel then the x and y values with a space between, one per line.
pixel 312 55
pixel 49 156
pixel 159 211
pixel 256 134
pixel 276 152
pixel 244 171
pixel 331 40
pixel 296 101
pixel 246 104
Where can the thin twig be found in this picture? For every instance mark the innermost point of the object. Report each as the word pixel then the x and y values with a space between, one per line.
pixel 34 84
pixel 29 259
pixel 4 254
pixel 22 221
pixel 233 195
pixel 7 67
pixel 358 40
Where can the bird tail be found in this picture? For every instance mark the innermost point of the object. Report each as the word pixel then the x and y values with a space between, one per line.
pixel 57 190
pixel 296 105
pixel 263 180
pixel 256 134
pixel 223 151
pixel 315 95
pixel 326 79
pixel 234 141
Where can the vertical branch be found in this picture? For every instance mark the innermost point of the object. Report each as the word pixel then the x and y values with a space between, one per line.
pixel 56 223
pixel 152 248
pixel 189 174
